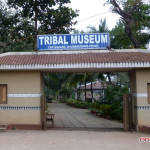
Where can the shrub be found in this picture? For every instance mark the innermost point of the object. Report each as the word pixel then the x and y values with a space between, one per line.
pixel 95 106
pixel 101 109
pixel 106 109
pixel 89 100
pixel 78 104
pixel 114 94
pixel 117 112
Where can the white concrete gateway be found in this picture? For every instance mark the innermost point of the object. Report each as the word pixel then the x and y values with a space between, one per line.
pixel 21 82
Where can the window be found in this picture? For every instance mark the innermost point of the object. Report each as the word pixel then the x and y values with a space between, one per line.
pixel 3 94
pixel 148 91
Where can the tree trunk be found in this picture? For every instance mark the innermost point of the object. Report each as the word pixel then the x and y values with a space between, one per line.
pixel 85 90
pixel 36 14
pixel 79 92
pixel 36 20
pixel 92 92
pixel 109 78
pixel 129 20
pixel 131 33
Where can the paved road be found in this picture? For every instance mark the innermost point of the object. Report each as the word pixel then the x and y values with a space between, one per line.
pixel 67 116
pixel 71 140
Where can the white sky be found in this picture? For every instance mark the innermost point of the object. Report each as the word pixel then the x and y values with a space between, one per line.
pixel 88 8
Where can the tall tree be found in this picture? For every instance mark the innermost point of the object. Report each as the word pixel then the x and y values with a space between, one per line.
pixel 47 14
pixel 38 16
pixel 135 16
pixel 91 77
pixel 75 82
pixel 58 84
pixel 8 22
pixel 12 30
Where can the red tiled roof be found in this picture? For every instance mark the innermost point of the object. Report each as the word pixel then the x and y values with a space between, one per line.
pixel 76 58
pixel 95 85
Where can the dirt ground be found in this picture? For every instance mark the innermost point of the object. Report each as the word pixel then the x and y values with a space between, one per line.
pixel 71 140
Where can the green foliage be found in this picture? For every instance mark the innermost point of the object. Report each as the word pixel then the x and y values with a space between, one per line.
pixel 8 22
pixel 102 109
pixel 144 39
pixel 46 14
pixel 58 85
pixel 13 28
pixel 29 18
pixel 60 18
pixel 89 100
pixel 78 104
pixel 113 105
pixel 76 78
pixel 117 112
pixel 95 106
pixel 118 37
pixel 114 94
pixel 82 78
pixel 121 79
pixel 65 93
pixel 102 27
pixel 106 109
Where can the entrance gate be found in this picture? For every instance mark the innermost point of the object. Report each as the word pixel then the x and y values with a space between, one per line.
pixel 21 73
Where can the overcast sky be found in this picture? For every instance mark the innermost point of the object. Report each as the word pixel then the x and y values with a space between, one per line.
pixel 88 8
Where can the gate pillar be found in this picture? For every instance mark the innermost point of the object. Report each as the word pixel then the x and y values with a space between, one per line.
pixel 127 112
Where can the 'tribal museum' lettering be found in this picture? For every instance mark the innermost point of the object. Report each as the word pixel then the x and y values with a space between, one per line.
pixel 50 40
pixel 91 39
pixel 75 39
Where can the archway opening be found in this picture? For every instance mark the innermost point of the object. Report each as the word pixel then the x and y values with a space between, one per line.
pixel 86 100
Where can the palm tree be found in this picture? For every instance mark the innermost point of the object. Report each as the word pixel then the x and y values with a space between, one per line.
pixel 84 78
pixel 76 81
pixel 90 78
pixel 57 83
pixel 102 27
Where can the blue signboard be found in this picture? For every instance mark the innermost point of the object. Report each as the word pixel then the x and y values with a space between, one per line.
pixel 73 41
